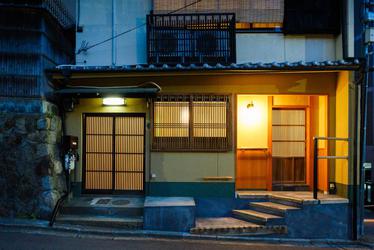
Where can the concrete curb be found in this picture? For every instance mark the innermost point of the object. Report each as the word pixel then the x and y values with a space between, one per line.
pixel 41 227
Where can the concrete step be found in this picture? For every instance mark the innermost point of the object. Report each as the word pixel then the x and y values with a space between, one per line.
pixel 290 187
pixel 106 206
pixel 232 226
pixel 258 217
pixel 286 200
pixel 272 208
pixel 102 221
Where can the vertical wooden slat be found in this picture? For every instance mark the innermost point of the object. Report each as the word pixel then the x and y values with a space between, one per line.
pixel 129 153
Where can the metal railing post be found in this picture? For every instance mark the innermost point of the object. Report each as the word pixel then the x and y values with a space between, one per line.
pixel 315 169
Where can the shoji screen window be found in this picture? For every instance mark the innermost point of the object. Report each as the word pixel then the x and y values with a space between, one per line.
pixel 191 123
pixel 288 148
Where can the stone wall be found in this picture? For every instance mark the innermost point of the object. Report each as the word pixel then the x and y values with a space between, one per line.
pixel 31 172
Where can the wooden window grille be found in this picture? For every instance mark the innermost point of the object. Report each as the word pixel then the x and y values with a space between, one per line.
pixel 250 14
pixel 191 123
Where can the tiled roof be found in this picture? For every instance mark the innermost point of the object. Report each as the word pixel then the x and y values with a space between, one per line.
pixel 283 66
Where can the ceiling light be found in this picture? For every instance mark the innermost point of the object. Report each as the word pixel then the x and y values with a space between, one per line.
pixel 113 101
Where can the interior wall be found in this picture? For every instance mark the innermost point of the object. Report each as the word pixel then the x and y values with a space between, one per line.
pixel 252 122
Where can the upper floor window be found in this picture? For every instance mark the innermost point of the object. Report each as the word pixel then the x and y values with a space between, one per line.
pixel 251 15
pixel 191 38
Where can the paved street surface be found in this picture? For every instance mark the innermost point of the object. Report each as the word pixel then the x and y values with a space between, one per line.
pixel 369 224
pixel 29 241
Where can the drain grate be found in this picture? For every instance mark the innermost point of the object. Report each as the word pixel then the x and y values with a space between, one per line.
pixel 120 202
pixel 103 201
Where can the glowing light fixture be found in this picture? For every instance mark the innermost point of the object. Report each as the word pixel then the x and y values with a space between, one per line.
pixel 250 105
pixel 113 101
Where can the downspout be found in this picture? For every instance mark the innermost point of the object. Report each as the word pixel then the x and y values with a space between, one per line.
pixel 364 120
pixel 113 32
pixel 344 24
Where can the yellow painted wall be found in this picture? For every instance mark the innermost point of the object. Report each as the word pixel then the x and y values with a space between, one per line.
pixel 192 167
pixel 74 124
pixel 345 127
pixel 252 122
pixel 342 114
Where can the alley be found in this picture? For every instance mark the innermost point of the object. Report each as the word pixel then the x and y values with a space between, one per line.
pixel 16 240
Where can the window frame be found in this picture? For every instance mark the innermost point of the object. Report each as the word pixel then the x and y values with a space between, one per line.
pixel 192 143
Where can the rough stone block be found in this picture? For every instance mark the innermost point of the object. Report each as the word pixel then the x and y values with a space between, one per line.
pixel 43 150
pixel 55 123
pixel 57 166
pixel 169 213
pixel 20 125
pixel 43 123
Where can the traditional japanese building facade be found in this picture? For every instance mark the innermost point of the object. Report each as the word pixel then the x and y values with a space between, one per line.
pixel 220 102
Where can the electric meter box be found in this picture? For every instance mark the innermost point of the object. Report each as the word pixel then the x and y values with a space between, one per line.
pixel 70 142
pixel 369 35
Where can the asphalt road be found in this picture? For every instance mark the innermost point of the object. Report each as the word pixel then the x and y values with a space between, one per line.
pixel 30 241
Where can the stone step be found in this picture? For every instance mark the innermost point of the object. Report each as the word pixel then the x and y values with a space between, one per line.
pixel 232 226
pixel 258 217
pixel 286 200
pixel 272 208
pixel 106 206
pixel 290 187
pixel 102 221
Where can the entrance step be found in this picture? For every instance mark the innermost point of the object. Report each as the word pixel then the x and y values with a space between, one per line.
pixel 102 221
pixel 290 187
pixel 289 200
pixel 258 217
pixel 232 226
pixel 272 208
pixel 104 206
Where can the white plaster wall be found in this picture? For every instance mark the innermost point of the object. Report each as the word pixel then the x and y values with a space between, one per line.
pixel 97 21
pixel 276 47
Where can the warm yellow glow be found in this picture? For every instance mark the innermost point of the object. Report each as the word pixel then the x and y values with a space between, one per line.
pixel 252 121
pixel 113 101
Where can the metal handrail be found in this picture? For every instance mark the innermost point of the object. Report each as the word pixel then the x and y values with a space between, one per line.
pixel 316 158
pixel 60 201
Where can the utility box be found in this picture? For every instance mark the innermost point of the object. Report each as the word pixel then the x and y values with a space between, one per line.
pixel 369 35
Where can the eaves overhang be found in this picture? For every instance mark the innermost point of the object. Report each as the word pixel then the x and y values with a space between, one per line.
pixel 67 77
pixel 77 71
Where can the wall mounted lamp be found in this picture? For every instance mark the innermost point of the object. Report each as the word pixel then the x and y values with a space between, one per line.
pixel 114 101
pixel 250 105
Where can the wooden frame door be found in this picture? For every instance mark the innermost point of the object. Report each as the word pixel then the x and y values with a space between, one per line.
pixel 289 144
pixel 113 153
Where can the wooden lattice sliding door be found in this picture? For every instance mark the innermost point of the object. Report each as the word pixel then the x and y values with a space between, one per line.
pixel 113 153
pixel 288 146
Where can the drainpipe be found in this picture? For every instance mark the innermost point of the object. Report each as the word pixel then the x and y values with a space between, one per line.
pixel 114 32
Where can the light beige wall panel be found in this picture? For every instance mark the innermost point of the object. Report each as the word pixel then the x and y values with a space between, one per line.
pixel 294 48
pixel 259 48
pixel 191 167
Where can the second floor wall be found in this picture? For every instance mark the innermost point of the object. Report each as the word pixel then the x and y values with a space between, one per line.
pixel 99 20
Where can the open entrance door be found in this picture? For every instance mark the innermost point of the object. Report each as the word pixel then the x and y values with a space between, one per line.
pixel 288 148
pixel 113 153
pixel 274 142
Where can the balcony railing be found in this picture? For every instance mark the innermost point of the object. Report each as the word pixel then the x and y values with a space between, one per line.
pixel 191 38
